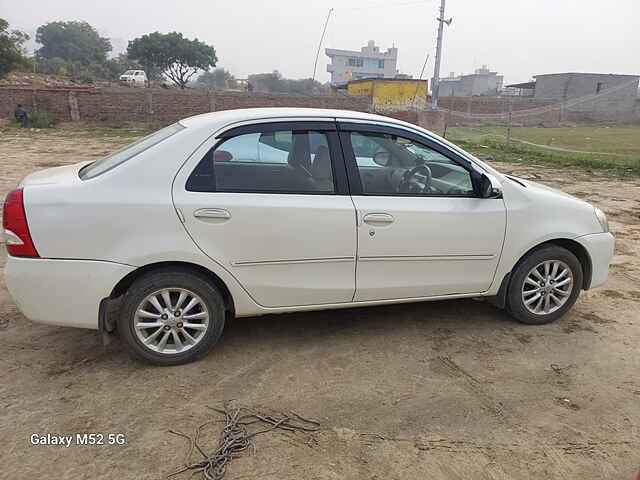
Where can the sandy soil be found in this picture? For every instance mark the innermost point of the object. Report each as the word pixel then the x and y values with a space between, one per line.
pixel 451 389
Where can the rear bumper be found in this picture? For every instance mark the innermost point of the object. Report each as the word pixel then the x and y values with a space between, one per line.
pixel 62 292
pixel 600 247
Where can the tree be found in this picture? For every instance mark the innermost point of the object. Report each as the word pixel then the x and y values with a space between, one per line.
pixel 268 82
pixel 178 58
pixel 73 41
pixel 218 79
pixel 274 82
pixel 11 52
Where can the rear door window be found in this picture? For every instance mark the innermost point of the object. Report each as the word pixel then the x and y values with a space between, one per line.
pixel 284 161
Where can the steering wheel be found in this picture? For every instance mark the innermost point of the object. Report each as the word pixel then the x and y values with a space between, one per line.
pixel 411 185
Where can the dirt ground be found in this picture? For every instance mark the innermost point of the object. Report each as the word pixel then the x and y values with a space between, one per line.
pixel 449 390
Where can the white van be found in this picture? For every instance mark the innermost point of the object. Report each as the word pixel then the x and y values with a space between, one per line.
pixel 134 78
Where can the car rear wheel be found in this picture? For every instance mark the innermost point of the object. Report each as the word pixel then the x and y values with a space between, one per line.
pixel 544 285
pixel 170 317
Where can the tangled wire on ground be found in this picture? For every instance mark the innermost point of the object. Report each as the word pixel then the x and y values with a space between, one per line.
pixel 236 437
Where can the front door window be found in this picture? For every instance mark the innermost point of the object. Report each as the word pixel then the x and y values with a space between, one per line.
pixel 393 165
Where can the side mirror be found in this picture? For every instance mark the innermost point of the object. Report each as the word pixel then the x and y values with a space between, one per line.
pixel 488 188
pixel 382 158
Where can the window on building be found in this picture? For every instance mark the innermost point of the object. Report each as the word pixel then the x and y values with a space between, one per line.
pixel 380 63
pixel 355 62
pixel 599 87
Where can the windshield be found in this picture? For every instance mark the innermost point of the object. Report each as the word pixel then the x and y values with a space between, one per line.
pixel 128 72
pixel 126 153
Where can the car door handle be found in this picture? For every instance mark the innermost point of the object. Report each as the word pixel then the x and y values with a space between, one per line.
pixel 212 214
pixel 378 218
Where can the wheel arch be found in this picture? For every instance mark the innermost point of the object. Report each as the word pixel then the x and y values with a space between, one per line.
pixel 123 285
pixel 573 246
pixel 581 254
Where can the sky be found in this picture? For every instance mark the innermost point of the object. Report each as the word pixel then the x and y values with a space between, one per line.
pixel 516 38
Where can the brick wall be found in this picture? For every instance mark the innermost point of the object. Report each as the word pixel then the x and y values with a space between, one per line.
pixel 166 106
pixel 163 106
pixel 431 120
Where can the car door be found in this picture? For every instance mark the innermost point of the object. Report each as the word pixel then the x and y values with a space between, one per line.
pixel 415 241
pixel 270 203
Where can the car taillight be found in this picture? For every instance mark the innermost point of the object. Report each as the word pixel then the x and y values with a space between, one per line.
pixel 16 230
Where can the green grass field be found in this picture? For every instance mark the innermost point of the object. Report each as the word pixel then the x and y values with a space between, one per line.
pixel 616 149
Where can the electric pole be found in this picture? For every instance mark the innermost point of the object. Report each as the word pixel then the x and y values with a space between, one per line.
pixel 435 83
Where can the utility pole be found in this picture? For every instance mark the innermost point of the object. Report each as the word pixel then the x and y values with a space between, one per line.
pixel 509 119
pixel 435 83
pixel 324 30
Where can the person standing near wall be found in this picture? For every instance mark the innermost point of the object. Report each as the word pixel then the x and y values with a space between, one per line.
pixel 21 115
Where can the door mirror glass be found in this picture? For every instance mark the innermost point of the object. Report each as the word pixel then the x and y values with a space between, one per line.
pixel 382 158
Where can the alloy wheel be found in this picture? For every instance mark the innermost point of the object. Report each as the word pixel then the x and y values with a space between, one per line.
pixel 171 321
pixel 547 287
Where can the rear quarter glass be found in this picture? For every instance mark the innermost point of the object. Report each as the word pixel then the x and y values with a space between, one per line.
pixel 128 152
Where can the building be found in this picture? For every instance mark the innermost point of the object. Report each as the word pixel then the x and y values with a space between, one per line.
pixel 369 62
pixel 482 82
pixel 610 92
pixel 585 96
pixel 391 93
pixel 524 89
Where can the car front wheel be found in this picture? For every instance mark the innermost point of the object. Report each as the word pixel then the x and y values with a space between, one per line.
pixel 170 317
pixel 544 285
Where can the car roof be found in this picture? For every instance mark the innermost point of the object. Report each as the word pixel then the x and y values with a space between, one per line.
pixel 226 117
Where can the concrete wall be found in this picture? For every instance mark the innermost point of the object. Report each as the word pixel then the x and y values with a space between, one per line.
pixel 163 106
pixel 470 85
pixel 532 111
pixel 606 97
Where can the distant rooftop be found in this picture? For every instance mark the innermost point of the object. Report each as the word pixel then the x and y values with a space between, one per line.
pixel 524 85
pixel 586 73
pixel 370 50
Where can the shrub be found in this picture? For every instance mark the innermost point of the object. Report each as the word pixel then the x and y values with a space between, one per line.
pixel 38 119
pixel 42 120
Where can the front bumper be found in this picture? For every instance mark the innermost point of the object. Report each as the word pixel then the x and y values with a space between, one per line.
pixel 62 292
pixel 600 247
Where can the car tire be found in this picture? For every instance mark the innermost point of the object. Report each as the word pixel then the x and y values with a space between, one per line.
pixel 144 305
pixel 528 302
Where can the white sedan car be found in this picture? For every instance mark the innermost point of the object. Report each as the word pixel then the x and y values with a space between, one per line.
pixel 250 212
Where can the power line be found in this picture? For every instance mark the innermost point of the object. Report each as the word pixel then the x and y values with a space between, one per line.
pixel 385 5
pixel 424 66
pixel 324 30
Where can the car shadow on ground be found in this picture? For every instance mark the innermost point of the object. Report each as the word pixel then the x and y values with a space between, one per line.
pixel 324 330
pixel 383 321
